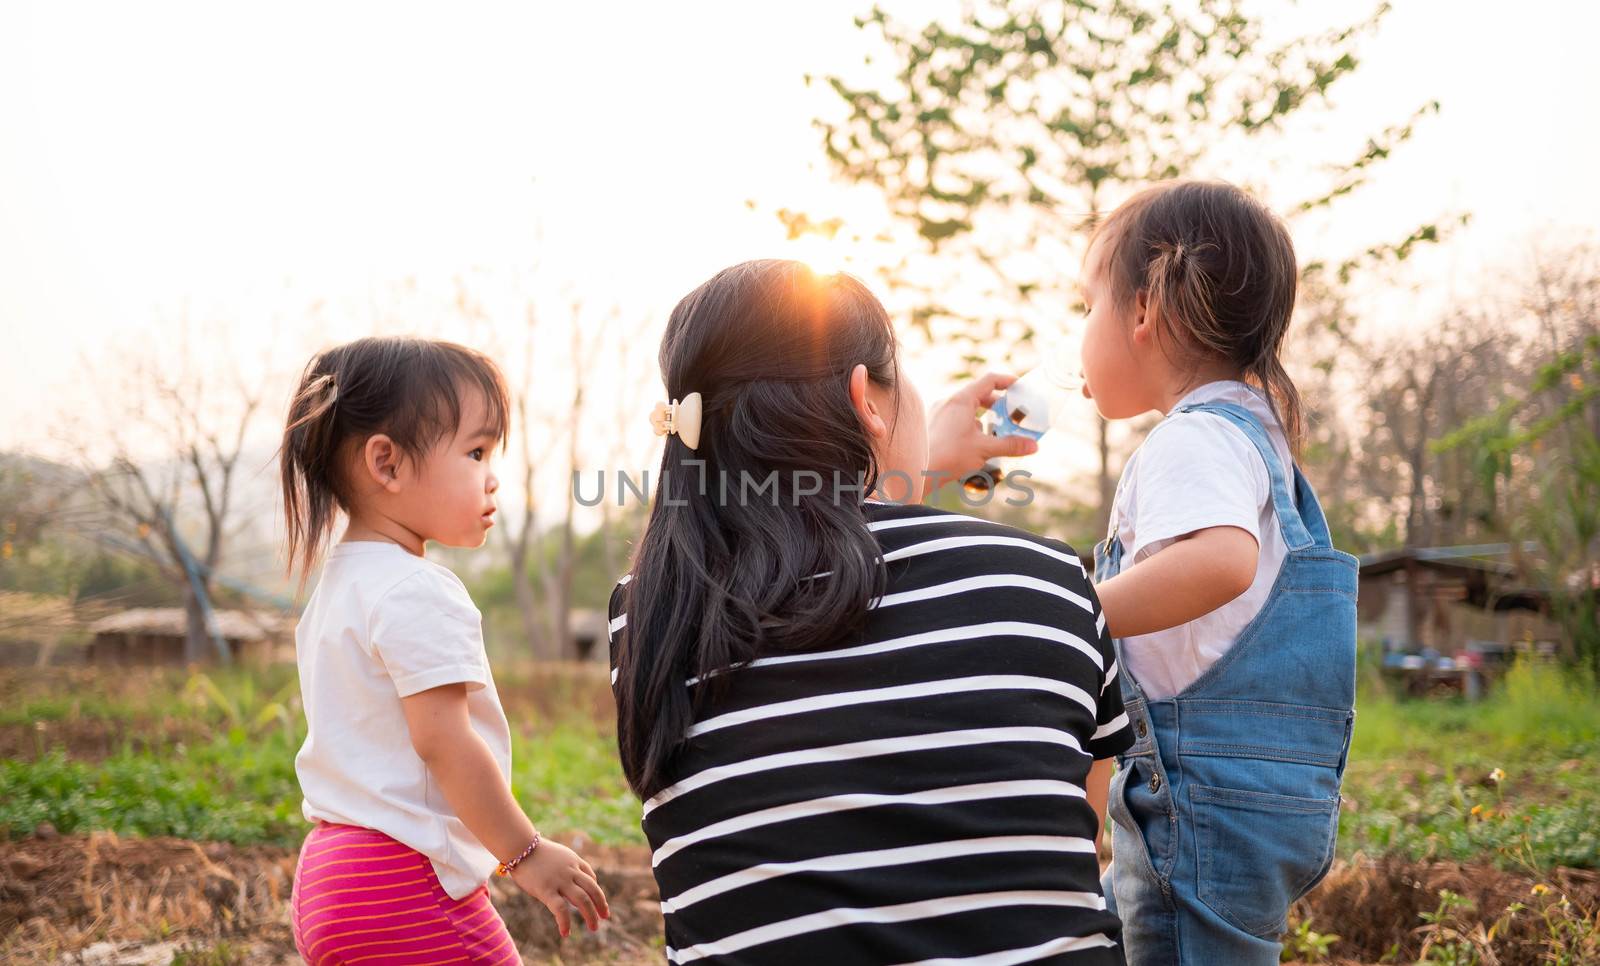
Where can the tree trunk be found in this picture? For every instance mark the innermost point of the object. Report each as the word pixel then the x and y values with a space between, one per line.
pixel 559 590
pixel 608 538
pixel 559 595
pixel 527 603
pixel 196 641
pixel 1419 533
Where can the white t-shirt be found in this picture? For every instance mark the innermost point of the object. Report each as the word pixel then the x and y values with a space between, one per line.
pixel 383 624
pixel 1194 471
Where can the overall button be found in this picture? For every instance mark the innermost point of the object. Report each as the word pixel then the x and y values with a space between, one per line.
pixel 1139 729
pixel 1155 782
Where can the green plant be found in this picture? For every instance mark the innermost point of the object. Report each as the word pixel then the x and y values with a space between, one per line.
pixel 567 777
pixel 226 773
pixel 230 790
pixel 243 706
pixel 221 954
pixel 1306 945
pixel 1448 937
pixel 1570 936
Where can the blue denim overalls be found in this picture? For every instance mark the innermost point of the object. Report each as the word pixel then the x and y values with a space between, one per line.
pixel 1226 808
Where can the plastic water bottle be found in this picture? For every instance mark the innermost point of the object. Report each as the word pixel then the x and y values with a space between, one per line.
pixel 1032 403
pixel 1029 407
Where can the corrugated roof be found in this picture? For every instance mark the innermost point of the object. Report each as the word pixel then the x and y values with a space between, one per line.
pixel 1483 557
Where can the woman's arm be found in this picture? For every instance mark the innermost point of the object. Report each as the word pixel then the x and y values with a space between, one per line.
pixel 1183 581
pixel 459 760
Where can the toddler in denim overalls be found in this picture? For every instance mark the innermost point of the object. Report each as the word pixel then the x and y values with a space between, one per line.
pixel 1234 615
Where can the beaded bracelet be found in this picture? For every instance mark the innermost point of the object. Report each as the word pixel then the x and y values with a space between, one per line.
pixel 505 868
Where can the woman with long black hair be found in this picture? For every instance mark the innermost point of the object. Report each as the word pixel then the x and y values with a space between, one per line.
pixel 864 730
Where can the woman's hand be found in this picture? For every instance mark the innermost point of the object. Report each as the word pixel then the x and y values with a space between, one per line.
pixel 556 876
pixel 957 444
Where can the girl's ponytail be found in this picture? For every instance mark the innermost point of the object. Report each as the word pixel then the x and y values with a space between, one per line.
pixel 1269 373
pixel 307 465
pixel 1177 287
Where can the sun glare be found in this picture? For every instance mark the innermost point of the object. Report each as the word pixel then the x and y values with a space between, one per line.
pixel 824 256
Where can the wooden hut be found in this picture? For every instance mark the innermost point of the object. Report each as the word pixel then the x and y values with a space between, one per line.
pixel 589 638
pixel 1452 615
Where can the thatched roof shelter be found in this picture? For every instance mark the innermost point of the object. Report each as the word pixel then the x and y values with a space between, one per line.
pixel 156 634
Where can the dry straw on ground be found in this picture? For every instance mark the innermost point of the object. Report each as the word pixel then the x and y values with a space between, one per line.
pixel 101 899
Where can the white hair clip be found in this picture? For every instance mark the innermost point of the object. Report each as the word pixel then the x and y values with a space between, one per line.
pixel 681 418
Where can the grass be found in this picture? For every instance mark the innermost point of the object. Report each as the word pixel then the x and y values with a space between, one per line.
pixel 233 779
pixel 1513 780
pixel 567 777
pixel 63 707
pixel 224 791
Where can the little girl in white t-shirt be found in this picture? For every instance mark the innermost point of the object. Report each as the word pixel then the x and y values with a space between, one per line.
pixel 406 766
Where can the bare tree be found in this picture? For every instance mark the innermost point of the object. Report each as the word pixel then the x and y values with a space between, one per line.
pixel 628 412
pixel 521 539
pixel 556 575
pixel 1537 448
pixel 550 437
pixel 1415 388
pixel 197 423
pixel 1420 446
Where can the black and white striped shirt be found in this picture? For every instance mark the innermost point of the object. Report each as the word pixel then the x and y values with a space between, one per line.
pixel 914 794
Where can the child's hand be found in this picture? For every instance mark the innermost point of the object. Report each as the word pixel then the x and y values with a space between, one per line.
pixel 957 444
pixel 556 875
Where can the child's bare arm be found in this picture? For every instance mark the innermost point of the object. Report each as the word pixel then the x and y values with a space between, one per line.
pixel 1188 579
pixel 1098 791
pixel 465 768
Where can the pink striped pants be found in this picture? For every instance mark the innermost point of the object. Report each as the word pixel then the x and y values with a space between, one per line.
pixel 361 897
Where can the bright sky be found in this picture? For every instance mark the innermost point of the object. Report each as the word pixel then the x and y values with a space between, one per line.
pixel 233 164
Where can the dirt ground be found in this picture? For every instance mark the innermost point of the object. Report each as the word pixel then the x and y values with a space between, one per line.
pixel 100 900
pixel 1376 909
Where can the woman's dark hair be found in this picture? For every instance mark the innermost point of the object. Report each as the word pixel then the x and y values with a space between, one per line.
pixel 408 389
pixel 1218 272
pixel 724 574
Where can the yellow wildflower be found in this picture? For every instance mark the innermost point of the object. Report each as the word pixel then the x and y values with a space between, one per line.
pixel 1539 889
pixel 1497 776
